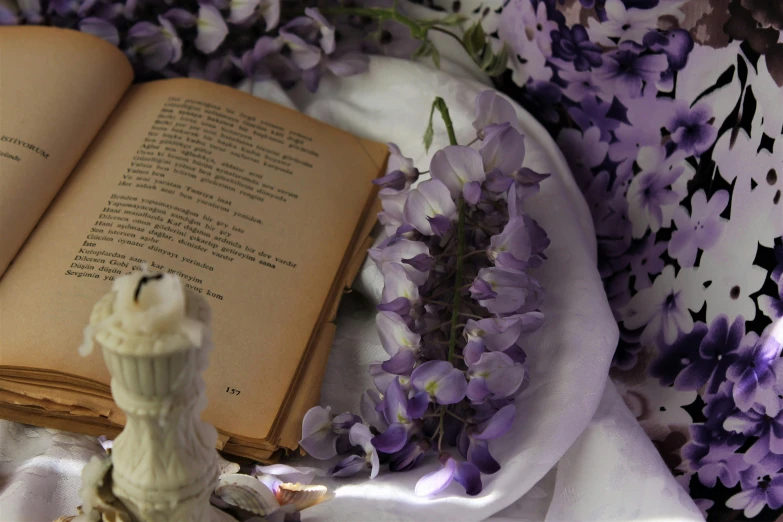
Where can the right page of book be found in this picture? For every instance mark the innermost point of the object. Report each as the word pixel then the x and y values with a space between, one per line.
pixel 57 88
pixel 253 205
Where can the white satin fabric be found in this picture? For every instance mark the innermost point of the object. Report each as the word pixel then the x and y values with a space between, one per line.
pixel 575 451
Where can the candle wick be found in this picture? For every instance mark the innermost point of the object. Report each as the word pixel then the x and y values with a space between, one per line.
pixel 144 280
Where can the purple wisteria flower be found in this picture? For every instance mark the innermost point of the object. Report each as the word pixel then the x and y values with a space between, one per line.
pixel 465 473
pixel 461 170
pixel 456 308
pixel 691 128
pixel 493 111
pixel 400 172
pixel 158 45
pixel 700 230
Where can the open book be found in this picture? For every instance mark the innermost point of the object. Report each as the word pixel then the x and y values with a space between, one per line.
pixel 262 210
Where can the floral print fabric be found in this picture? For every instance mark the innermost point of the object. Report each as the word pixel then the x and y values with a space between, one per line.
pixel 670 114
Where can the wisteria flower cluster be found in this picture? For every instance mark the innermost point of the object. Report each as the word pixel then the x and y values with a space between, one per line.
pixel 458 302
pixel 227 41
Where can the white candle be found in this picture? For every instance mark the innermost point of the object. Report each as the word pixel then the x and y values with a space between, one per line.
pixel 147 305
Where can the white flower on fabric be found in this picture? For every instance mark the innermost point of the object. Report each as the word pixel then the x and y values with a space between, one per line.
pixel 701 229
pixel 664 307
pixel 767 94
pixel 527 59
pixel 705 65
pixel 730 276
pixel 757 201
pixel 625 24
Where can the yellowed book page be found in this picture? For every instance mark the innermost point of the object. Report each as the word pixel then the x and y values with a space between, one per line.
pixel 253 205
pixel 57 88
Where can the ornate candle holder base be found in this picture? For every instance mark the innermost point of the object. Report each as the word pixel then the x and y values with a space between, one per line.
pixel 163 467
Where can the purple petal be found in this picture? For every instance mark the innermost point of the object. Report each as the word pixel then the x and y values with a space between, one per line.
pixel 497 182
pixel 435 482
pixel 455 166
pixel 241 10
pixel 320 445
pixel 473 350
pixel 360 435
pixel 395 404
pixel 391 440
pixel 481 290
pixel 400 306
pixel 472 192
pixel 439 224
pixel 348 64
pixel 380 377
pixel 304 55
pixel 180 17
pixel 348 467
pixel 421 262
pixel 477 390
pixel 469 477
pixel 451 389
pixel 393 180
pixel 265 46
pixel 100 28
pixel 317 437
pixel 401 363
pixel 270 10
pixel 429 199
pixel 493 109
pixel 395 334
pixel 479 456
pixel 212 29
pixel 367 406
pixel 417 405
pixel 316 419
pixel 430 372
pixel 498 424
pixel 287 473
pixel 7 17
pixel 503 151
pixel 409 456
pixel 344 422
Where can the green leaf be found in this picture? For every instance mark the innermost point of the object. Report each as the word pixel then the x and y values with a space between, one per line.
pixel 500 63
pixel 428 133
pixel 425 49
pixel 475 39
pixel 487 59
pixel 436 57
pixel 453 19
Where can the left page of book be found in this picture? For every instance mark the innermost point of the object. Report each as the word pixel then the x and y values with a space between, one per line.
pixel 57 88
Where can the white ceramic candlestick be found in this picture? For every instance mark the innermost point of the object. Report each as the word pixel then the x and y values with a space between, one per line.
pixel 155 340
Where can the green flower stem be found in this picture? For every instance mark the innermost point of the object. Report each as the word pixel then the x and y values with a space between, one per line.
pixel 458 277
pixel 418 30
pixel 440 104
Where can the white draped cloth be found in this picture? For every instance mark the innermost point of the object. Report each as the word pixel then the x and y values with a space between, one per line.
pixel 575 451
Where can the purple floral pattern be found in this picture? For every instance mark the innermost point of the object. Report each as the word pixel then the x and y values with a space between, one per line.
pixel 667 120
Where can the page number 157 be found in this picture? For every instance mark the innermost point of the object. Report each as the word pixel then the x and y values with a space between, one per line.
pixel 232 391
